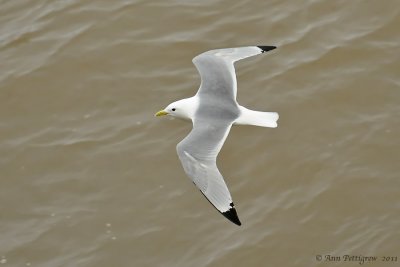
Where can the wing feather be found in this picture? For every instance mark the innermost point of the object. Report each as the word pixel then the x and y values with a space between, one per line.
pixel 198 153
pixel 218 72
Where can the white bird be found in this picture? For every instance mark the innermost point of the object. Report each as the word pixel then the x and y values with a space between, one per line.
pixel 212 111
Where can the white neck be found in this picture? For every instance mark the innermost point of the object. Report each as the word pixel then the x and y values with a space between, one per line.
pixel 187 107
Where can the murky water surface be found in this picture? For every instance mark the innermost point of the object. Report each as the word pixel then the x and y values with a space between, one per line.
pixel 90 178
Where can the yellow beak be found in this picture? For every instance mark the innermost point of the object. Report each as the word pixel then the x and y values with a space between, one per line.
pixel 161 113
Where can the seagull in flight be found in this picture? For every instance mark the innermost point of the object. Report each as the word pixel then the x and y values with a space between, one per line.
pixel 213 111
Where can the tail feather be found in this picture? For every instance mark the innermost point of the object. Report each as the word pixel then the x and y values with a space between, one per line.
pixel 257 118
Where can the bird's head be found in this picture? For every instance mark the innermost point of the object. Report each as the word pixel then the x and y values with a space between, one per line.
pixel 183 109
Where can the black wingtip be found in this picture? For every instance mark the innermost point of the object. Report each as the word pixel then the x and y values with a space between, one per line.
pixel 266 48
pixel 232 215
pixel 229 214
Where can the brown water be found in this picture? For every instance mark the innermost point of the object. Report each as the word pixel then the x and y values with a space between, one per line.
pixel 90 178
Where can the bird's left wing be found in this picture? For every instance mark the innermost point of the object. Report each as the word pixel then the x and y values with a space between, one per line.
pixel 198 153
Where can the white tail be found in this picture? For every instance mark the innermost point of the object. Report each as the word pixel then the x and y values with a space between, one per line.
pixel 257 118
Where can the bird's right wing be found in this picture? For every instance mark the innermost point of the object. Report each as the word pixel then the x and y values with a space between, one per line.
pixel 217 72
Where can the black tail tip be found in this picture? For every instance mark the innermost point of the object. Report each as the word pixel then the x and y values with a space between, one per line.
pixel 266 48
pixel 232 216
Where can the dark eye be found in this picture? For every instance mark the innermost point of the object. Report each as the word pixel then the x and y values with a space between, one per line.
pixel 173 109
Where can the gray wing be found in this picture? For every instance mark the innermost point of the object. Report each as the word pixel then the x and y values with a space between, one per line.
pixel 198 153
pixel 217 71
